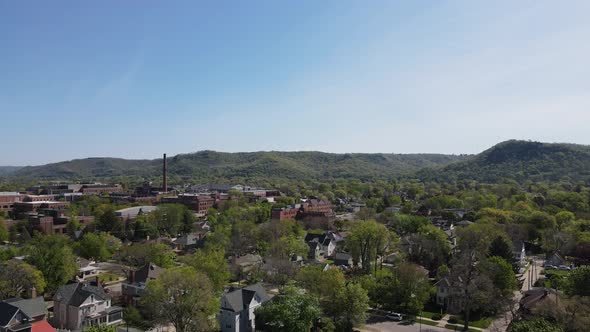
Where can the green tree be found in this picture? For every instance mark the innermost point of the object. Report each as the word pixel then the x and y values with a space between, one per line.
pixel 53 256
pixel 350 306
pixel 139 255
pixel 578 281
pixel 365 241
pixel 291 311
pixel 183 297
pixel 501 247
pixel 17 278
pixel 536 325
pixel 212 263
pixel 72 226
pixel 100 247
pixel 3 231
pixel 500 272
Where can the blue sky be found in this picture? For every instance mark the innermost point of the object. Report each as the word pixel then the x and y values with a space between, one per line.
pixel 135 79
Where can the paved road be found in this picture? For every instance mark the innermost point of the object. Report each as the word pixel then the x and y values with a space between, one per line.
pixel 531 276
pixel 400 327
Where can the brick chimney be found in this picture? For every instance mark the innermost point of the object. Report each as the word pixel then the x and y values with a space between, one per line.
pixel 165 175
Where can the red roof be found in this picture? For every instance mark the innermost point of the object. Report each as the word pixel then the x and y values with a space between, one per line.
pixel 42 326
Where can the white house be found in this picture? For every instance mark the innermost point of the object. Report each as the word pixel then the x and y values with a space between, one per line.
pixel 80 305
pixel 238 306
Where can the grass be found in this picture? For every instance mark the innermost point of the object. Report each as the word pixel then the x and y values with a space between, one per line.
pixel 426 322
pixel 429 314
pixel 459 328
pixel 482 323
pixel 108 276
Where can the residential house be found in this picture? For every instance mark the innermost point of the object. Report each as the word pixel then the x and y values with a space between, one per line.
pixel 189 241
pixel 326 243
pixel 134 287
pixel 538 299
pixel 315 251
pixel 449 294
pixel 20 315
pixel 519 255
pixel 556 260
pixel 343 259
pixel 238 307
pixel 80 305
pixel 87 270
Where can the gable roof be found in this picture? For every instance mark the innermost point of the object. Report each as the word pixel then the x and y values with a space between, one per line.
pixel 240 299
pixel 7 312
pixel 75 294
pixel 147 272
pixel 30 307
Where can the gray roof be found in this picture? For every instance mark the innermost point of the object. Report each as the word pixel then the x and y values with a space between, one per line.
pixel 31 307
pixel 147 272
pixel 75 294
pixel 240 299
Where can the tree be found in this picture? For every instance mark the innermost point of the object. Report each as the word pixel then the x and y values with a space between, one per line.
pixel 537 325
pixel 100 247
pixel 17 278
pixel 72 226
pixel 501 247
pixel 578 281
pixel 429 247
pixel 501 273
pixel 3 231
pixel 212 263
pixel 324 284
pixel 406 289
pixel 291 311
pixel 350 306
pixel 183 297
pixel 365 241
pixel 139 255
pixel 53 256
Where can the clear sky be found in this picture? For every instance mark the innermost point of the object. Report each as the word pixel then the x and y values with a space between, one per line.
pixel 135 79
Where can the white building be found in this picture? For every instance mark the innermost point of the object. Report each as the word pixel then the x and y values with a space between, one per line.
pixel 238 306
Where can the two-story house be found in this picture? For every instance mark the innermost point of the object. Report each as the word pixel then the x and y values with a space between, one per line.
pixel 238 306
pixel 449 294
pixel 20 315
pixel 134 286
pixel 79 305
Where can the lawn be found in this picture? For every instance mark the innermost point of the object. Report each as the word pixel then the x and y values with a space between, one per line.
pixel 482 323
pixel 108 276
pixel 426 322
pixel 429 314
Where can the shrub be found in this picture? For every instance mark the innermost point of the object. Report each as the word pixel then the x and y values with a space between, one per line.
pixel 436 317
pixel 454 320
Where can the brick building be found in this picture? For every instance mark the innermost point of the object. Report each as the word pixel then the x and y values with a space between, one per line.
pixel 7 200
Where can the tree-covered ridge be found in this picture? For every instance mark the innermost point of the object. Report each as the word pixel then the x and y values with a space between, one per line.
pixel 5 170
pixel 211 165
pixel 518 160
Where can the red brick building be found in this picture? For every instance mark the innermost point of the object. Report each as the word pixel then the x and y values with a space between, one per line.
pixel 7 200
pixel 195 202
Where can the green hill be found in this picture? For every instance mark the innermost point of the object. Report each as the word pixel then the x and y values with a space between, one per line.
pixel 520 161
pixel 6 170
pixel 211 165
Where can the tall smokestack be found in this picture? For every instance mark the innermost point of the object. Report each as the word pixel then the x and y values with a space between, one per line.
pixel 165 175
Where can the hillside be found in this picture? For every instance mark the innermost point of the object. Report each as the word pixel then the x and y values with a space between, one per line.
pixel 520 161
pixel 6 170
pixel 251 166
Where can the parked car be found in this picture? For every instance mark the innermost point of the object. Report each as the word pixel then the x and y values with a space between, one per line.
pixel 550 267
pixel 564 268
pixel 394 316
